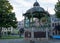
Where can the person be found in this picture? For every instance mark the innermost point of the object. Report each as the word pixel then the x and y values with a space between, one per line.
pixel 21 31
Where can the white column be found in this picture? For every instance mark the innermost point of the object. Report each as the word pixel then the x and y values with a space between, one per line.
pixel 46 33
pixel 32 33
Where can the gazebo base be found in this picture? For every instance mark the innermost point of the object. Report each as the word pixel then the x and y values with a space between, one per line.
pixel 38 34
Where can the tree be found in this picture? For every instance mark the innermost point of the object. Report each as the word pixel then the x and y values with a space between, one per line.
pixel 7 17
pixel 57 9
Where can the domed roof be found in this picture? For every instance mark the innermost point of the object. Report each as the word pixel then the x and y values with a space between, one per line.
pixel 35 9
pixel 36 4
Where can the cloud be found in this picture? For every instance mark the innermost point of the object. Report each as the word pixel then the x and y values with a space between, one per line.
pixel 21 6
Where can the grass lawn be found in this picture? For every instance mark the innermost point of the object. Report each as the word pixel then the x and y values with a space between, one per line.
pixel 11 37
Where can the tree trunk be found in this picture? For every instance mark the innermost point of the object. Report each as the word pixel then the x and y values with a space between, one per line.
pixel 0 32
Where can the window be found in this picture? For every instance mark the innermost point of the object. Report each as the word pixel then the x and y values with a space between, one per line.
pixel 53 24
pixel 19 24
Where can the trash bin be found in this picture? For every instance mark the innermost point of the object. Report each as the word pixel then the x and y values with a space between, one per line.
pixel 32 41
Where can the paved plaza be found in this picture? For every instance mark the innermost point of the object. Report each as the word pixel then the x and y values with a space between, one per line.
pixel 27 41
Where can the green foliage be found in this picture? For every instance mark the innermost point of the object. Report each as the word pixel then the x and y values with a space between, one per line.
pixel 57 9
pixel 11 37
pixel 7 17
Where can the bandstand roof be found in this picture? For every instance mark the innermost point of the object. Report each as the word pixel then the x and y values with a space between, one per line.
pixel 36 8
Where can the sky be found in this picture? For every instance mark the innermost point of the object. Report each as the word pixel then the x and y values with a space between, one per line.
pixel 21 6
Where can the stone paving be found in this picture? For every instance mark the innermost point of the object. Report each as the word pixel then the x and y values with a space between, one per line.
pixel 28 41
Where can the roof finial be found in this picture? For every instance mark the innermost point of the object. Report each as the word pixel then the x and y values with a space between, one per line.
pixel 36 4
pixel 36 0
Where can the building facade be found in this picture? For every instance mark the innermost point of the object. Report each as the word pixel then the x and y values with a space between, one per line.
pixel 7 31
pixel 54 22
pixel 12 30
pixel 20 24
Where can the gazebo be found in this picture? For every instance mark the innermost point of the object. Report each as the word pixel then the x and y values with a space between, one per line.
pixel 32 21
